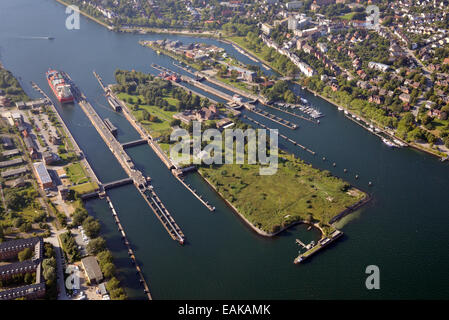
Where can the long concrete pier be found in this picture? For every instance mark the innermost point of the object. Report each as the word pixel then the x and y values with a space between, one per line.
pixel 162 69
pixel 193 191
pixel 274 118
pixel 229 98
pixel 242 93
pixel 130 250
pixel 281 135
pixel 222 84
pixel 140 181
pixel 324 242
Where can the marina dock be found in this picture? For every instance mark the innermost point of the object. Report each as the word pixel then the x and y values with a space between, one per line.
pixel 140 181
pixel 292 114
pixel 324 242
pixel 274 118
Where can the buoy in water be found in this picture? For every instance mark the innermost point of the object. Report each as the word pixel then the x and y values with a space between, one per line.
pixel 356 176
pixel 334 164
pixel 324 158
pixel 370 183
pixel 345 170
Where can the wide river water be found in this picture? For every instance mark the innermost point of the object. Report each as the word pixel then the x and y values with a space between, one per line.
pixel 404 229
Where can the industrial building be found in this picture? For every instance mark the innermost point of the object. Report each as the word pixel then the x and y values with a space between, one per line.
pixel 42 175
pixel 7 142
pixel 14 172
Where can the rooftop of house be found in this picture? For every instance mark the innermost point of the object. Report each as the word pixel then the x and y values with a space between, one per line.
pixel 92 268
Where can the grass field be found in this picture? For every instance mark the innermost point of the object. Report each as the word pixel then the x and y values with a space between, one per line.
pixel 348 16
pixel 242 42
pixel 85 188
pixel 238 84
pixel 155 128
pixel 297 192
pixel 76 173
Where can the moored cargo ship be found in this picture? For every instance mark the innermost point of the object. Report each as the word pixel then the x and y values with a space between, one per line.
pixel 61 89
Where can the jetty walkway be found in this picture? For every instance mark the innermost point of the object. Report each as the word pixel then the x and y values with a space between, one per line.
pixel 131 254
pixel 281 135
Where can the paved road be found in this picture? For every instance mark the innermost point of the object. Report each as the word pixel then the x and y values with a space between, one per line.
pixel 53 239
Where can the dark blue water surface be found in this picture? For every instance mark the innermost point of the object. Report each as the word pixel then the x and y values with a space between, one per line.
pixel 404 230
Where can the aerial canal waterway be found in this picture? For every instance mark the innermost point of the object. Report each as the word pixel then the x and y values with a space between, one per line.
pixel 403 230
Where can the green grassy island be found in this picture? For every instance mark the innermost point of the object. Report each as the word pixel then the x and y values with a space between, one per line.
pixel 296 193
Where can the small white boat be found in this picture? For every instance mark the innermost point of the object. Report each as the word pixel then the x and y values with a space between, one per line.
pixel 340 109
pixel 346 112
pixel 399 143
pixel 388 143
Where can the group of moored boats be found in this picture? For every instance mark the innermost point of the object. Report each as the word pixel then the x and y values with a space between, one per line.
pixel 396 143
pixel 312 112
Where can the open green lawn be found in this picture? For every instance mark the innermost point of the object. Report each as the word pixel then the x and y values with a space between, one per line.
pixel 85 187
pixel 439 125
pixel 155 128
pixel 258 52
pixel 297 192
pixel 238 84
pixel 348 16
pixel 76 173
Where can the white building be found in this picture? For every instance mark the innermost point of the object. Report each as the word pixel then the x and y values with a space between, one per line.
pixel 322 47
pixel 266 28
pixel 305 68
pixel 378 66
pixel 292 23
pixel 294 5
